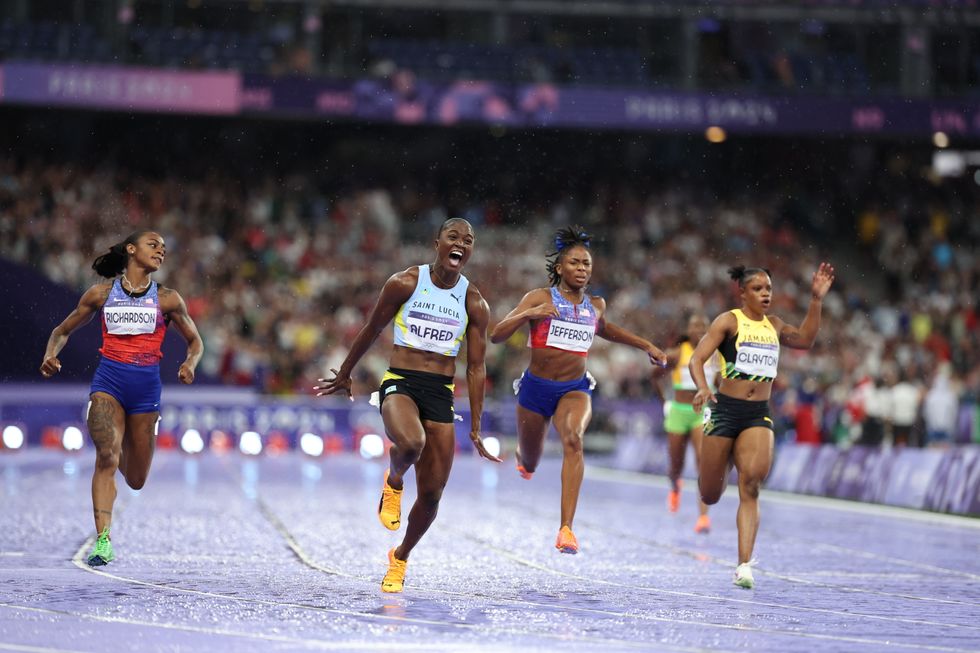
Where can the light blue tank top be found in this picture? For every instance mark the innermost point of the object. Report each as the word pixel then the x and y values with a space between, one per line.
pixel 433 319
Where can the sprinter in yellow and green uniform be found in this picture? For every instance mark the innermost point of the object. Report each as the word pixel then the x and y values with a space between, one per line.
pixel 681 420
pixel 738 428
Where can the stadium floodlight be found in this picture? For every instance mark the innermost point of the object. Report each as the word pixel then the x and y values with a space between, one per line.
pixel 13 436
pixel 191 441
pixel 250 443
pixel 372 446
pixel 71 438
pixel 311 444
pixel 492 445
pixel 715 134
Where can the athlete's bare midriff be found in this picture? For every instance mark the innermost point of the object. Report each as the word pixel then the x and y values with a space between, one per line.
pixel 684 396
pixel 556 365
pixel 745 389
pixel 407 358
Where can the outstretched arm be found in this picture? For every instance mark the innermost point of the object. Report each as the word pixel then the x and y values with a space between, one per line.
pixel 615 333
pixel 172 304
pixel 673 356
pixel 395 292
pixel 535 305
pixel 803 337
pixel 476 369
pixel 723 325
pixel 88 305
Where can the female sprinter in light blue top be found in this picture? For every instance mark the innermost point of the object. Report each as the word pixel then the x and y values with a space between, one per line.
pixel 433 308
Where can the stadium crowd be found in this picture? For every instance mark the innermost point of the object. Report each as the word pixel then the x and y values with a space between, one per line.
pixel 279 275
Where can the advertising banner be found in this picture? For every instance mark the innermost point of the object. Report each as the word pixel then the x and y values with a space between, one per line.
pixel 402 98
pixel 123 89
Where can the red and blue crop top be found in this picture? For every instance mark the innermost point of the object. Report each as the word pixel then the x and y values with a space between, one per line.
pixel 573 330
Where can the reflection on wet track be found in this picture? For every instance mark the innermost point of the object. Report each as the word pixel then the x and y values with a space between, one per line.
pixel 286 553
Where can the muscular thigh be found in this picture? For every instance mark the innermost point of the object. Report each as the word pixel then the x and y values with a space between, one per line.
pixel 106 421
pixel 716 453
pixel 432 469
pixel 753 452
pixel 401 417
pixel 141 430
pixel 530 424
pixel 573 414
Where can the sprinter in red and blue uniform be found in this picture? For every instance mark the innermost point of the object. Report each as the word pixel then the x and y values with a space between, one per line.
pixel 556 388
pixel 124 406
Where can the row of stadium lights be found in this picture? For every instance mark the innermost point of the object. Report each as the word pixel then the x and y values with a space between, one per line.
pixel 250 443
pixel 715 134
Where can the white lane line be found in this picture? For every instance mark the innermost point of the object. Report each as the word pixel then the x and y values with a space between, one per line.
pixel 295 546
pixel 4 646
pixel 310 643
pixel 869 555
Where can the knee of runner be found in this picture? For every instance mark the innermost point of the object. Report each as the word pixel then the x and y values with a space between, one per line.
pixel 430 497
pixel 136 482
pixel 572 441
pixel 106 458
pixel 710 496
pixel 411 448
pixel 750 485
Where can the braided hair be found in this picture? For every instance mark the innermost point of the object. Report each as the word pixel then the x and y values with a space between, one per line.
pixel 565 239
pixel 741 274
pixel 114 261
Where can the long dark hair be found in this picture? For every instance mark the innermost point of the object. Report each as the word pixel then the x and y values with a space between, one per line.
pixel 565 239
pixel 741 274
pixel 114 261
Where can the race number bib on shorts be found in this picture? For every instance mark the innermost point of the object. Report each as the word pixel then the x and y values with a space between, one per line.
pixel 130 320
pixel 570 336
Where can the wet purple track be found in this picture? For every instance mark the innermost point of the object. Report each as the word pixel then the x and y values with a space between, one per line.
pixel 286 554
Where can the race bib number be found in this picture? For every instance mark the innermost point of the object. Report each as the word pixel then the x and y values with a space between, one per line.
pixel 570 336
pixel 757 359
pixel 431 333
pixel 130 320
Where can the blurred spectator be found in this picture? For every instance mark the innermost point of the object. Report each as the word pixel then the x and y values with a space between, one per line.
pixel 941 408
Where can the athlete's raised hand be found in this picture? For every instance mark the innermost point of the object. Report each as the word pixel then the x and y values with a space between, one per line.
pixel 822 279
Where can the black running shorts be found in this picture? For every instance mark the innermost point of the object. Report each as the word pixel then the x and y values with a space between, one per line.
pixel 730 416
pixel 432 393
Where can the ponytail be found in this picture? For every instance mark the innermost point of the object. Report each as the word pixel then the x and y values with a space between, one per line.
pixel 740 273
pixel 114 261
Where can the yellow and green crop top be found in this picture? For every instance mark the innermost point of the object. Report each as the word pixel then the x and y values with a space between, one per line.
pixel 681 375
pixel 752 352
